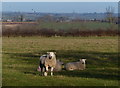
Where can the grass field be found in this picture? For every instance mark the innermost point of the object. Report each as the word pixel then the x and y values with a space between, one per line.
pixel 78 25
pixel 50 29
pixel 21 59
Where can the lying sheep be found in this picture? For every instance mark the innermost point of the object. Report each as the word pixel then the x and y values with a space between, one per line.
pixel 80 65
pixel 58 66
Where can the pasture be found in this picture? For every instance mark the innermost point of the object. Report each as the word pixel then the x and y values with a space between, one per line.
pixel 21 58
pixel 85 25
pixel 85 28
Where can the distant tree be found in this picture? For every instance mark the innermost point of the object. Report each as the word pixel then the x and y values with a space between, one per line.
pixel 21 18
pixel 110 14
pixel 46 18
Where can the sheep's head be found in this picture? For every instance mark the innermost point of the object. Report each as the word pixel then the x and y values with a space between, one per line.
pixel 50 55
pixel 60 62
pixel 82 61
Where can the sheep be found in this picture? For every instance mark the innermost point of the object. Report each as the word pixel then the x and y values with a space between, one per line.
pixel 47 60
pixel 80 65
pixel 58 66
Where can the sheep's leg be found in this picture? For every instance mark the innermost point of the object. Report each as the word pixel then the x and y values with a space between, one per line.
pixel 46 70
pixel 42 71
pixel 42 67
pixel 52 71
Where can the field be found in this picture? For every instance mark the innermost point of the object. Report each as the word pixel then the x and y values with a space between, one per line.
pixel 85 25
pixel 21 59
pixel 85 28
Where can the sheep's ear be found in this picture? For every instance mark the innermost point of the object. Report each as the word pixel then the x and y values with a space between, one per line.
pixel 80 59
pixel 54 52
pixel 85 59
pixel 60 61
pixel 48 52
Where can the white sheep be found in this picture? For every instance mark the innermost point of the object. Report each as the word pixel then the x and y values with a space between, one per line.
pixel 80 65
pixel 58 66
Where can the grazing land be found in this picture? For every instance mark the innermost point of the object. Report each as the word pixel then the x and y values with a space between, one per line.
pixel 21 59
pixel 85 28
pixel 82 25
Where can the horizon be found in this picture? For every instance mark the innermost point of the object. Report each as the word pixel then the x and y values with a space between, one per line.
pixel 57 12
pixel 58 7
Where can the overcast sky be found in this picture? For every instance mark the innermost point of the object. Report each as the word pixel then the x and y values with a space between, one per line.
pixel 59 7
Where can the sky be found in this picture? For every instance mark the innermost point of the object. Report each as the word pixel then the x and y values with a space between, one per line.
pixel 59 7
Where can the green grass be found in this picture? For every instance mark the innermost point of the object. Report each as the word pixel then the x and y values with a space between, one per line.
pixel 78 25
pixel 21 59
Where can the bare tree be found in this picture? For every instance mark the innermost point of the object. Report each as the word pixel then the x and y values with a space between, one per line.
pixel 21 18
pixel 110 14
pixel 46 18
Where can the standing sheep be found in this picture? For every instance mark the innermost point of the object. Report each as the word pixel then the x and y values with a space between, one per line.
pixel 48 60
pixel 80 65
pixel 58 66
